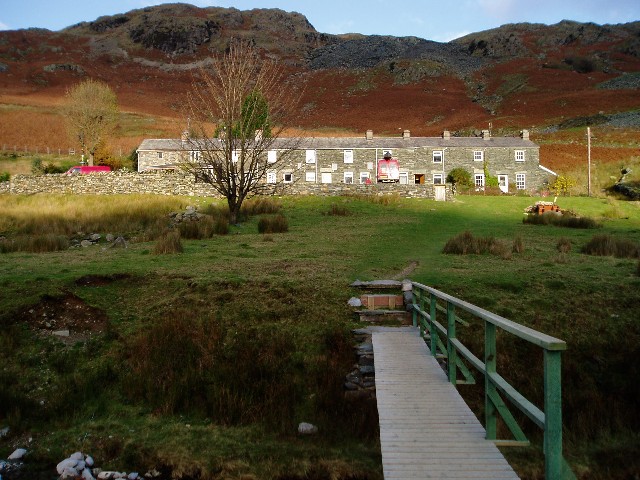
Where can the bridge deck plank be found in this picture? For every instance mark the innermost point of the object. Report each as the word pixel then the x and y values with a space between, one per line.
pixel 426 428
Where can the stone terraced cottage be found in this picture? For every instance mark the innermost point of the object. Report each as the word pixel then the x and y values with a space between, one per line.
pixel 326 161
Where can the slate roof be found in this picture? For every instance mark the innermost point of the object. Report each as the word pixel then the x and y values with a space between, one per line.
pixel 332 143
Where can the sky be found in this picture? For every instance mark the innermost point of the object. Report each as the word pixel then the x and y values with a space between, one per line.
pixel 440 21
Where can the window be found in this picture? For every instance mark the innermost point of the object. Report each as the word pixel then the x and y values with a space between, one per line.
pixel 272 156
pixel 437 156
pixel 326 177
pixel 348 177
pixel 438 178
pixel 519 155
pixel 369 165
pixel 520 181
pixel 310 156
pixel 235 156
pixel 348 156
pixel 159 154
pixel 194 155
pixel 287 177
pixel 364 176
pixel 479 180
pixel 271 177
pixel 310 176
pixel 478 155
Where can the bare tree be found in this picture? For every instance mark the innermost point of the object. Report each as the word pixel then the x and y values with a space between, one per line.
pixel 238 111
pixel 91 114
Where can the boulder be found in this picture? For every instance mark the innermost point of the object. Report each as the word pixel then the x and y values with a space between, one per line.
pixel 305 428
pixel 17 454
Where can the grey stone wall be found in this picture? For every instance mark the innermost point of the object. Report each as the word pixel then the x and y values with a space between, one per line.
pixel 162 183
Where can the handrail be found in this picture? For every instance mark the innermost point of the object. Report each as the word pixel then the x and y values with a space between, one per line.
pixel 548 419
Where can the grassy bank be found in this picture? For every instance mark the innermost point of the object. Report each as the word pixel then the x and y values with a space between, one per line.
pixel 205 361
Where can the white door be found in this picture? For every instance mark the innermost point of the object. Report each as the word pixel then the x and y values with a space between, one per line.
pixel 503 183
pixel 440 192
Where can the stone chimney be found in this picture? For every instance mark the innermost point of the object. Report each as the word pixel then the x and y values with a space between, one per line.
pixel 406 134
pixel 486 134
pixel 446 135
pixel 524 134
pixel 185 136
pixel 369 135
pixel 258 135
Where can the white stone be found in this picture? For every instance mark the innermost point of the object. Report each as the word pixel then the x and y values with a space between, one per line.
pixel 86 243
pixel 61 333
pixel 95 237
pixel 305 428
pixel 86 474
pixel 17 454
pixel 354 302
pixel 76 456
pixel 66 463
pixel 133 476
pixel 89 461
pixel 69 472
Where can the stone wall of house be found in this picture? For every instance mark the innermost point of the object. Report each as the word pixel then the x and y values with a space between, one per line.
pixel 163 183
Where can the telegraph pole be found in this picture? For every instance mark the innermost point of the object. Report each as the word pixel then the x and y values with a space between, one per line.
pixel 588 161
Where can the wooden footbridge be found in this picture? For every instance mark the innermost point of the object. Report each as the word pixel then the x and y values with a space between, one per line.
pixel 426 428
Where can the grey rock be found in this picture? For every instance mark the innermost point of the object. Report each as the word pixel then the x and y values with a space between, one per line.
pixel 119 242
pixel 17 454
pixel 87 475
pixel 4 431
pixel 350 386
pixel 66 464
pixel 86 243
pixel 76 456
pixel 133 476
pixel 305 428
pixel 354 302
pixel 364 369
pixel 62 333
pixel 109 237
pixel 89 461
pixel 94 237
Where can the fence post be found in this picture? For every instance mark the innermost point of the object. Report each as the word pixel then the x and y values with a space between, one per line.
pixel 432 329
pixel 490 354
pixel 452 353
pixel 552 415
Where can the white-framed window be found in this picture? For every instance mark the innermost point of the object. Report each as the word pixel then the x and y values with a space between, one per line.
pixel 271 177
pixel 310 176
pixel 437 156
pixel 272 156
pixel 478 156
pixel 479 180
pixel 348 177
pixel 519 155
pixel 348 156
pixel 310 156
pixel 404 178
pixel 194 155
pixel 364 176
pixel 438 178
pixel 334 167
pixel 521 183
pixel 369 165
pixel 160 154
pixel 326 177
pixel 235 155
pixel 287 177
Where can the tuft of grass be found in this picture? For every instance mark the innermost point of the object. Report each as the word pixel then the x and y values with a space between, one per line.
pixel 48 242
pixel 563 245
pixel 260 206
pixel 466 244
pixel 566 220
pixel 273 224
pixel 518 245
pixel 607 245
pixel 169 242
pixel 338 210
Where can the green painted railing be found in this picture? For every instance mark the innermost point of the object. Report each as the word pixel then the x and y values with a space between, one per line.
pixel 444 343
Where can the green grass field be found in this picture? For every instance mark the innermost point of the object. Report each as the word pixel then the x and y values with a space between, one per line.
pixel 206 360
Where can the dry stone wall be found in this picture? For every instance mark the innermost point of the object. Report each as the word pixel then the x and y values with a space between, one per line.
pixel 162 183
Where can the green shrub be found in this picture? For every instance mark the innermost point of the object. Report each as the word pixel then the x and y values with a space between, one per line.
pixel 518 245
pixel 273 224
pixel 4 176
pixel 567 220
pixel 466 244
pixel 169 242
pixel 460 177
pixel 607 245
pixel 260 206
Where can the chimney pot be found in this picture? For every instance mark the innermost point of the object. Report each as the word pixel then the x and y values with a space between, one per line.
pixel 446 134
pixel 185 136
pixel 406 134
pixel 486 134
pixel 369 135
pixel 524 134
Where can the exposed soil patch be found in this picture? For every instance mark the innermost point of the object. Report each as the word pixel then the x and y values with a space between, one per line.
pixel 407 271
pixel 100 280
pixel 68 313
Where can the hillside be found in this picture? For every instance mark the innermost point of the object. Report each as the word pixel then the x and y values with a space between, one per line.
pixel 545 78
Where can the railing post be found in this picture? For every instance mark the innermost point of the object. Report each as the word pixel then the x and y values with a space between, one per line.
pixel 432 329
pixel 490 354
pixel 552 415
pixel 452 354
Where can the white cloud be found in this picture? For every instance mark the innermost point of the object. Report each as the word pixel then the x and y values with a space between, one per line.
pixel 4 26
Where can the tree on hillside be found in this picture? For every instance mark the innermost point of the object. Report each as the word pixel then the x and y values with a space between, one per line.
pixel 238 111
pixel 91 114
